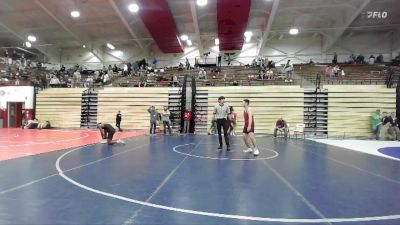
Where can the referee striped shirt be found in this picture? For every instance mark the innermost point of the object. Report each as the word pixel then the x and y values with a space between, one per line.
pixel 221 112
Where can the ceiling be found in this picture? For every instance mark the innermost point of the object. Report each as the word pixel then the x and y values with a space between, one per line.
pixel 158 28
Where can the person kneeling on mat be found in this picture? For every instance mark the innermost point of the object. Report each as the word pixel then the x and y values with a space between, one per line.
pixel 107 132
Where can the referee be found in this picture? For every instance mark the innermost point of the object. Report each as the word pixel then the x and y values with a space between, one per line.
pixel 221 112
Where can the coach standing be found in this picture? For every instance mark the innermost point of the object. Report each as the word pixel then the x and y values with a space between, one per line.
pixel 221 112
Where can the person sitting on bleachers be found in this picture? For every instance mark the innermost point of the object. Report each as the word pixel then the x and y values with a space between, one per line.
pixel 341 70
pixel 89 81
pixel 371 60
pixel 327 70
pixel 360 59
pixel 54 82
pixel 379 59
pixel 391 124
pixel 269 74
pixel 385 132
pixel 281 126
pixel 335 70
pixel 202 74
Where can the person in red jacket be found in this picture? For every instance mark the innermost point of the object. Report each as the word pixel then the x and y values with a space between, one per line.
pixel 187 116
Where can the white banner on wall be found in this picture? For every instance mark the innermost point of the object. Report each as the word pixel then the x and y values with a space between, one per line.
pixel 16 94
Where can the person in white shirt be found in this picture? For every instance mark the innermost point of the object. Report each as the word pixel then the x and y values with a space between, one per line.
pixel 76 78
pixel 106 78
pixel 342 72
pixel 89 81
pixel 125 69
pixel 202 74
pixel 269 74
pixel 54 81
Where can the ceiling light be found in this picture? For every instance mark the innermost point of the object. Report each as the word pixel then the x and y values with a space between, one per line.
pixel 293 31
pixel 28 44
pixel 216 41
pixel 201 2
pixel 133 7
pixel 189 42
pixel 75 14
pixel 110 46
pixel 184 37
pixel 83 46
pixel 248 34
pixel 31 38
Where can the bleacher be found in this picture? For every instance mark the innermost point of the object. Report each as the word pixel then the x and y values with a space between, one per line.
pixel 60 106
pixel 351 106
pixel 354 74
pixel 133 104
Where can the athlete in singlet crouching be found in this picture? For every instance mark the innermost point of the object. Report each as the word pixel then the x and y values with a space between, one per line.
pixel 107 132
pixel 248 130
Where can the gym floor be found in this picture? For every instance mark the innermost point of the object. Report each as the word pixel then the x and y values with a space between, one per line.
pixel 68 177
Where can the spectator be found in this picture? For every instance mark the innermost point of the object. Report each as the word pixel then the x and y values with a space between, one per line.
pixel 154 118
pixel 311 62
pixel 89 81
pixel 187 64
pixel 281 126
pixel 76 79
pixel 376 123
pixel 289 71
pixel 118 119
pixel 254 63
pixel 62 68
pixel 360 59
pixel 379 59
pixel 342 73
pixel 154 63
pixel 327 70
pixel 202 74
pixel 174 80
pixel 106 79
pixel 371 60
pixel 54 82
pixel 270 65
pixel 115 68
pixel 351 60
pixel 143 81
pixel 166 121
pixel 334 60
pixel 219 58
pixel 391 126
pixel 336 70
pixel 180 67
pixel 129 65
pixel 269 74
pixel 125 73
pixel 187 116
pixel 17 80
pixel 232 122
pixel 396 61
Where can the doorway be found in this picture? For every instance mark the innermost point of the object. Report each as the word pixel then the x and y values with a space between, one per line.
pixel 15 114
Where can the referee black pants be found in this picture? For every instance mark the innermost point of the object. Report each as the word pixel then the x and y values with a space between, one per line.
pixel 223 123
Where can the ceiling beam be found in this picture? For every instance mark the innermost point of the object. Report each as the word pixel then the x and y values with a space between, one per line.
pixel 267 27
pixel 196 27
pixel 339 32
pixel 69 31
pixel 128 27
pixel 44 51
